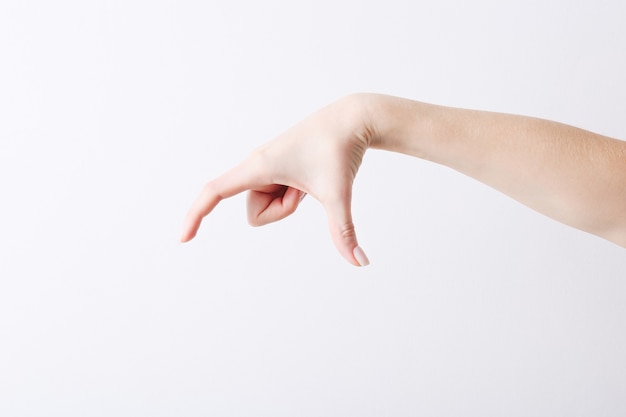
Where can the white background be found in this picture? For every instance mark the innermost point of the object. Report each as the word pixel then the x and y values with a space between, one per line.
pixel 114 113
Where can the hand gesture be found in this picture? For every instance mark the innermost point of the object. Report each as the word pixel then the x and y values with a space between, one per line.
pixel 319 156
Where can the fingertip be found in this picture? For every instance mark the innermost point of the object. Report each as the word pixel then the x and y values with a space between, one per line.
pixel 360 256
pixel 185 237
pixel 355 256
pixel 292 198
pixel 352 252
pixel 190 228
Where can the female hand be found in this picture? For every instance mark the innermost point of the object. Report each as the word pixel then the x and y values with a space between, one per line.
pixel 558 170
pixel 320 156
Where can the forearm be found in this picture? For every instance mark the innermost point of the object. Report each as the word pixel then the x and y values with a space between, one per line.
pixel 574 176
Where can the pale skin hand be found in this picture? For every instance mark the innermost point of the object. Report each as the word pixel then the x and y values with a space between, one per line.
pixel 574 176
pixel 320 156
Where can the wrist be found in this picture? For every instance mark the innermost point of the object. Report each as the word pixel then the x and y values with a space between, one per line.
pixel 398 125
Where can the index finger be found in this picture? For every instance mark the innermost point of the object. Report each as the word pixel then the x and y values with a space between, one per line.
pixel 234 181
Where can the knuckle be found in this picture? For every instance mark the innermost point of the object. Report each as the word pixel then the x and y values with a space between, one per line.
pixel 259 157
pixel 253 219
pixel 210 189
pixel 260 162
pixel 347 231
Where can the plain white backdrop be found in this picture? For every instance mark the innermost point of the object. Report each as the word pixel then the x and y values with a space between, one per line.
pixel 114 113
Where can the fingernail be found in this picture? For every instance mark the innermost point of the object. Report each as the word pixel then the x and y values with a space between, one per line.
pixel 302 195
pixel 360 256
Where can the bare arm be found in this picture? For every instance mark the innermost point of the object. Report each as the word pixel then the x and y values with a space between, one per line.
pixel 574 176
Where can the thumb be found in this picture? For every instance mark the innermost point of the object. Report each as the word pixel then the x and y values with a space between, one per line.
pixel 343 232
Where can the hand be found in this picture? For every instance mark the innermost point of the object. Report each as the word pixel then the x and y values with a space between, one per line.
pixel 320 156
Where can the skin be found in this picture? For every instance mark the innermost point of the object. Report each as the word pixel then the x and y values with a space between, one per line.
pixel 569 174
